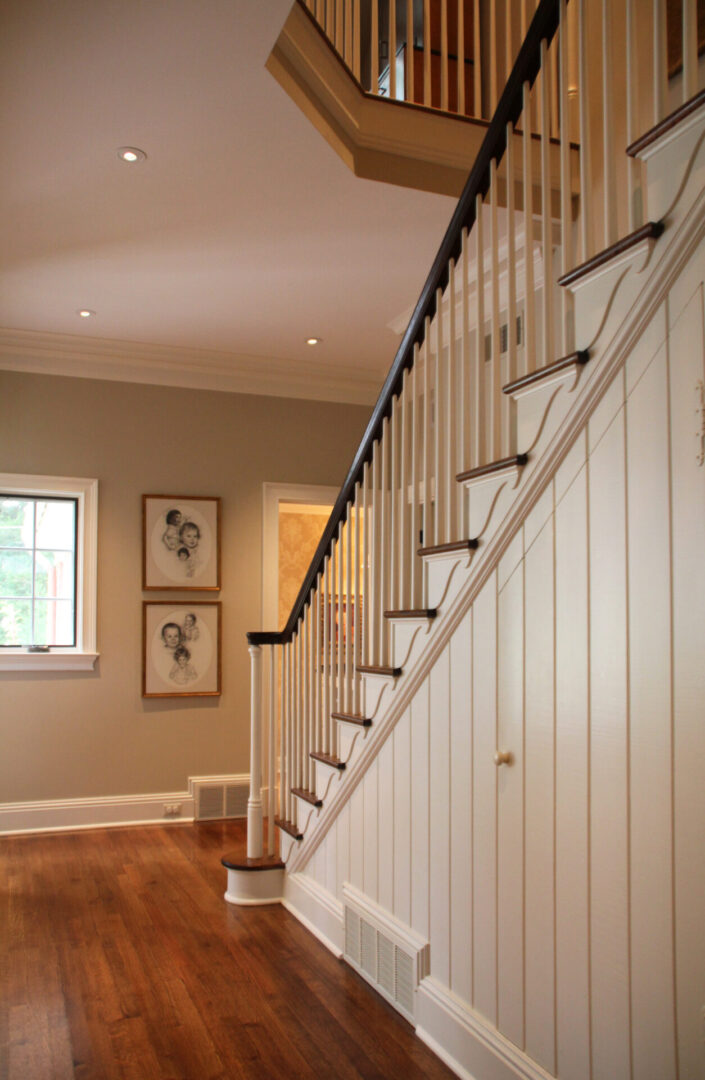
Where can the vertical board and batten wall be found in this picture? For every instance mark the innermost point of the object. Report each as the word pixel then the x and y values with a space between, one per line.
pixel 562 895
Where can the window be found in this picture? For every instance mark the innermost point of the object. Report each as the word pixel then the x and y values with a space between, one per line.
pixel 48 546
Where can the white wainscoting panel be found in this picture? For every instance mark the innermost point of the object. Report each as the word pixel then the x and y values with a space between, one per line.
pixel 562 894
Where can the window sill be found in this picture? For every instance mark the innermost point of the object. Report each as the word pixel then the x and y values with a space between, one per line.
pixel 56 660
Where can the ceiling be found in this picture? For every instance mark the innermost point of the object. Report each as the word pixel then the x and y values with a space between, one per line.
pixel 241 235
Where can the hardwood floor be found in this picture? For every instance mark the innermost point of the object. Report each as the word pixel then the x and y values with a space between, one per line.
pixel 119 958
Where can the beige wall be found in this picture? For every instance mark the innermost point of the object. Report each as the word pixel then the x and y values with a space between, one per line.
pixel 81 735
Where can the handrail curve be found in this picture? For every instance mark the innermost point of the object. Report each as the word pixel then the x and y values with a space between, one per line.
pixel 527 66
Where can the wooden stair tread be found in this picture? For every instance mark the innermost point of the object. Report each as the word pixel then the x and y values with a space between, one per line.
pixel 374 669
pixel 651 231
pixel 412 613
pixel 448 549
pixel 493 467
pixel 289 827
pixel 352 718
pixel 308 796
pixel 237 861
pixel 580 356
pixel 667 124
pixel 327 759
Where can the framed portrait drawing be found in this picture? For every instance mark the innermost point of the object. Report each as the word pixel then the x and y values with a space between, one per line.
pixel 181 648
pixel 180 542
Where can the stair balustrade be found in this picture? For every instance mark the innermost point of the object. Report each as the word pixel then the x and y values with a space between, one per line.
pixel 552 190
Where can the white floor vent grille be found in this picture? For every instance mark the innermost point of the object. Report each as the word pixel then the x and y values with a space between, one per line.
pixel 221 801
pixel 384 951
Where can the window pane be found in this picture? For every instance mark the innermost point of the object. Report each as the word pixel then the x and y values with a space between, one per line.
pixel 53 574
pixel 16 522
pixel 15 622
pixel 56 524
pixel 53 622
pixel 15 573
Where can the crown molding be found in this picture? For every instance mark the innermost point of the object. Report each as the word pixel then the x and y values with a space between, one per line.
pixel 47 353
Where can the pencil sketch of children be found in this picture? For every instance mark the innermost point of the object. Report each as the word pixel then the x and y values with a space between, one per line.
pixel 190 631
pixel 174 521
pixel 189 537
pixel 183 671
pixel 171 635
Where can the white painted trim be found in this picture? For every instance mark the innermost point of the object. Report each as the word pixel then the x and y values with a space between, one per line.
pixel 60 815
pixel 254 888
pixel 272 495
pixel 46 353
pixel 678 245
pixel 401 934
pixel 317 909
pixel 84 655
pixel 465 1041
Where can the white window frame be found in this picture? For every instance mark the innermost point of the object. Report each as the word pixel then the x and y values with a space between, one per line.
pixel 83 655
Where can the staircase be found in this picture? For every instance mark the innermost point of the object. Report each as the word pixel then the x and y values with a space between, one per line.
pixel 482 725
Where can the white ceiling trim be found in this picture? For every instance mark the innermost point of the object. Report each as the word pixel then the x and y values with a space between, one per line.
pixel 123 361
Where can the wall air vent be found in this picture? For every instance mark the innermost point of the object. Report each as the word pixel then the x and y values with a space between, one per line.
pixel 220 801
pixel 388 954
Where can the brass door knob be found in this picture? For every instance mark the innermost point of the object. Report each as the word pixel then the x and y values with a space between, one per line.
pixel 503 757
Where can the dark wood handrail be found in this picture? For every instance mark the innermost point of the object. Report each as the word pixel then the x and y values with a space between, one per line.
pixel 543 26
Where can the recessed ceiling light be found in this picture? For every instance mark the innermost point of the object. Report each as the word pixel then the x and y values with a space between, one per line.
pixel 131 154
pixel 313 341
pixel 86 313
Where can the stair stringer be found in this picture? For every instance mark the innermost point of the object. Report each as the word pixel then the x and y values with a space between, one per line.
pixel 685 230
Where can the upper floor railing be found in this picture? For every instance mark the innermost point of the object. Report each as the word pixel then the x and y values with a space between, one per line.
pixel 444 54
pixel 551 187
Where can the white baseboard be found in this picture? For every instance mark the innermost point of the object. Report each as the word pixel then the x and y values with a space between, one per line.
pixel 59 815
pixel 466 1042
pixel 317 909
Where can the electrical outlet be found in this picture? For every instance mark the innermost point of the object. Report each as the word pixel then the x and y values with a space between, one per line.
pixel 172 809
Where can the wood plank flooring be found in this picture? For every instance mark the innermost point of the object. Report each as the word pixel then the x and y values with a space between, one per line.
pixel 119 958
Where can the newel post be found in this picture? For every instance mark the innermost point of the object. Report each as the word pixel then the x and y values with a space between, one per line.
pixel 254 803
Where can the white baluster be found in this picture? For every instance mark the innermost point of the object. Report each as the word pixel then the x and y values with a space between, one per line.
pixel 427 52
pixel 495 412
pixel 477 61
pixel 409 52
pixel 584 114
pixel 272 735
pixel 385 575
pixel 374 47
pixel 660 60
pixel 609 175
pixel 392 566
pixel 439 490
pixel 460 52
pixel 478 403
pixel 357 607
pixel 427 444
pixel 349 651
pixel 546 223
pixel 254 803
pixel 376 601
pixel 690 49
pixel 464 386
pixel 366 590
pixel 402 556
pixel 567 257
pixel 450 435
pixel 511 357
pixel 528 207
pixel 444 55
pixel 327 707
pixel 356 32
pixel 415 527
